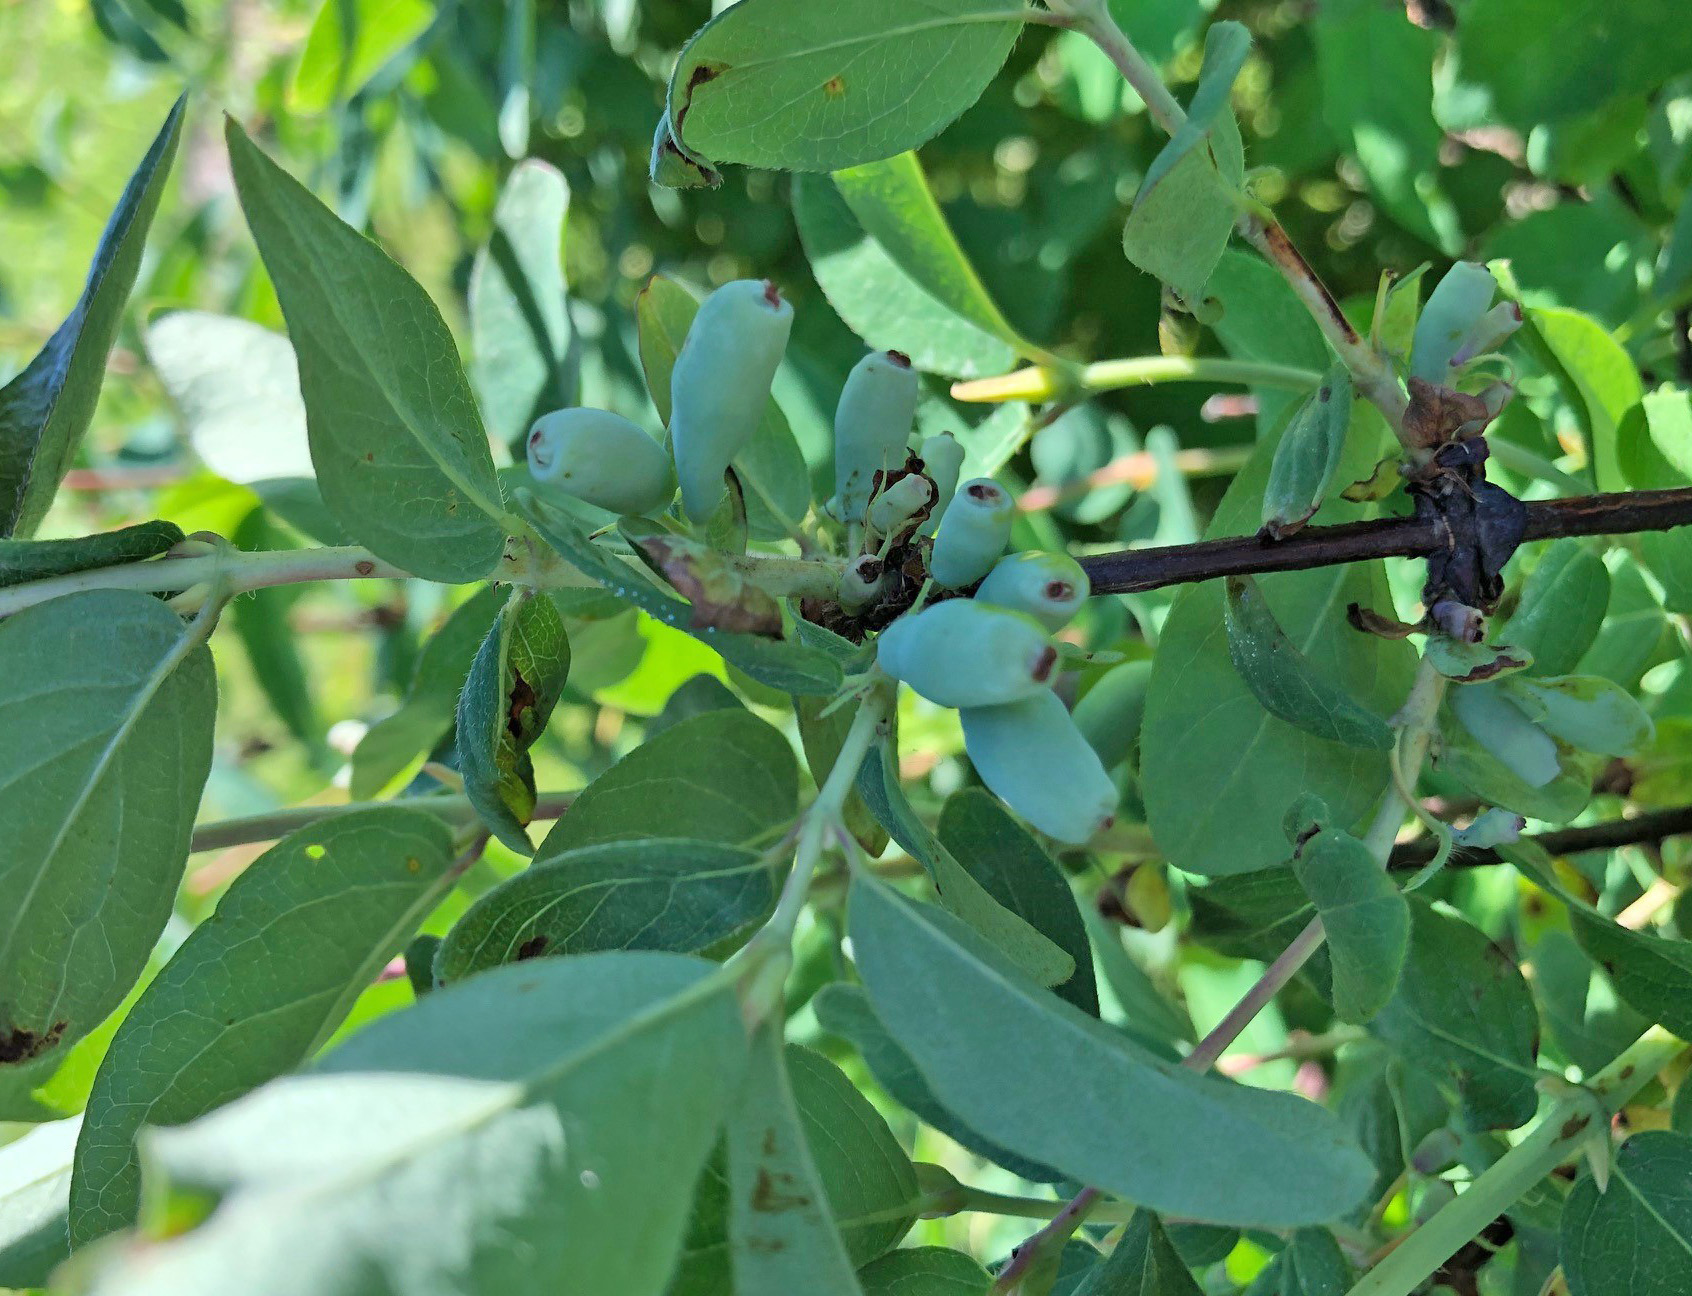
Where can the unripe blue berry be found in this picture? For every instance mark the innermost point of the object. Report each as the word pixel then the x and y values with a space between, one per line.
pixel 961 653
pixel 599 457
pixel 1050 587
pixel 942 462
pixel 974 534
pixel 721 384
pixel 872 427
pixel 1034 759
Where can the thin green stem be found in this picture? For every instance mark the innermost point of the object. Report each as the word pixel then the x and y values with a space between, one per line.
pixel 1039 382
pixel 453 808
pixel 1556 1137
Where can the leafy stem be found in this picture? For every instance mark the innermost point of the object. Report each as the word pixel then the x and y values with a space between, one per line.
pixel 1370 371
pixel 1558 1135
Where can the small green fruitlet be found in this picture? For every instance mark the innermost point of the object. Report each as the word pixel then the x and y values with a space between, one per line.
pixel 900 502
pixel 1032 756
pixel 942 461
pixel 1454 307
pixel 963 653
pixel 1500 725
pixel 721 384
pixel 601 458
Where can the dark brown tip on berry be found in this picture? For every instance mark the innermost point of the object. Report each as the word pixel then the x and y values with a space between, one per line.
pixel 772 294
pixel 899 358
pixel 1059 591
pixel 1043 666
pixel 984 491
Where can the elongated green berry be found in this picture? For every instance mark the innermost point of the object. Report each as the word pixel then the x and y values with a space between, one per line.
pixel 1308 455
pixel 1500 726
pixel 942 461
pixel 977 527
pixel 721 383
pixel 872 427
pixel 900 502
pixel 1050 587
pixel 1110 712
pixel 1454 307
pixel 961 653
pixel 1034 759
pixel 599 457
pixel 1490 828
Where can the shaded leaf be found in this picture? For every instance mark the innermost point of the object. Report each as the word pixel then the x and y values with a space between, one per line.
pixel 349 42
pixel 35 1173
pixel 1366 920
pixel 724 776
pixel 1463 1012
pixel 1015 870
pixel 256 988
pixel 951 1000
pixel 107 702
pixel 1561 608
pixel 29 560
pixel 45 410
pixel 1143 1261
pixel 657 893
pixel 924 1271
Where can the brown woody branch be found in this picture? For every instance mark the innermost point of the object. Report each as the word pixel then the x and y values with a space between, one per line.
pixel 1131 571
pixel 1654 826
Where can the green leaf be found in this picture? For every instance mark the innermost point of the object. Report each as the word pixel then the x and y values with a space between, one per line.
pixel 924 1271
pixel 1143 1261
pixel 845 1010
pixel 1031 950
pixel 1365 917
pixel 1376 74
pixel 659 893
pixel 401 456
pixel 35 1173
pixel 880 299
pixel 1545 60
pixel 725 776
pixel 29 560
pixel 256 989
pixel 1308 455
pixel 542 1119
pixel 350 41
pixel 865 1174
pixel 1655 438
pixel 1651 974
pixel 1562 607
pixel 426 714
pixel 1634 1235
pixel 1284 682
pixel 790 85
pixel 1598 376
pixel 1584 1016
pixel 1263 320
pixel 519 327
pixel 1015 870
pixel 1250 915
pixel 107 703
pixel 892 203
pixel 1463 1012
pixel 781 664
pixel 1634 625
pixel 45 410
pixel 1055 1095
pixel 781 1236
pixel 1189 200
pixel 508 697
pixel 1668 554
pixel 1585 711
pixel 1218 769
pixel 1311 1264
pixel 821 736
pixel 237 387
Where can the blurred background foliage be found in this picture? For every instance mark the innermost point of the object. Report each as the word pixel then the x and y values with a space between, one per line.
pixel 1390 135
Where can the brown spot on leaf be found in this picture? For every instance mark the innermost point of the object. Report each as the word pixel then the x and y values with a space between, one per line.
pixel 521 701
pixel 834 87
pixel 533 947
pixel 1573 1125
pixel 774 1193
pixel 20 1045
pixel 364 567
